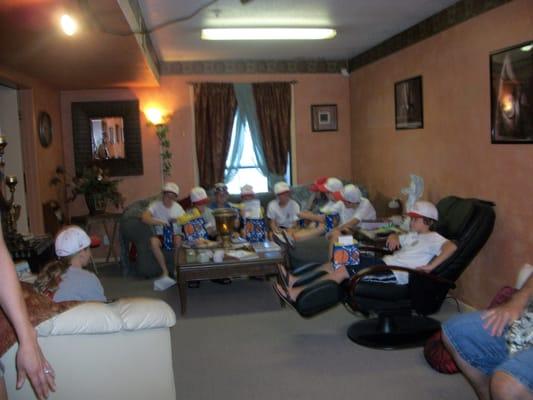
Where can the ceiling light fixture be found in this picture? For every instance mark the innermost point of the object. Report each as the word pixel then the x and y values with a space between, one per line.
pixel 268 33
pixel 69 25
pixel 526 47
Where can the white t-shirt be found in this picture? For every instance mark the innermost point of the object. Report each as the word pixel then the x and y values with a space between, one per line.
pixel 329 207
pixel 417 249
pixel 284 216
pixel 364 211
pixel 159 211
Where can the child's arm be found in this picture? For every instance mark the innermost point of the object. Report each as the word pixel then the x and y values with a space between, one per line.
pixel 447 250
pixel 149 219
pixel 308 215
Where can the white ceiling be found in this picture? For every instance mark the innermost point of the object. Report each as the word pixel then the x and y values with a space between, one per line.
pixel 360 24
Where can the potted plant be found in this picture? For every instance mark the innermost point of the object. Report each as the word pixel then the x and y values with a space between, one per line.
pixel 94 184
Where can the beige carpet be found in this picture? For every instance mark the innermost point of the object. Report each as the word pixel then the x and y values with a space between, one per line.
pixel 237 343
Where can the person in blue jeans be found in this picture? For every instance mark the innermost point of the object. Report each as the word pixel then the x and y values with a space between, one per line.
pixel 478 346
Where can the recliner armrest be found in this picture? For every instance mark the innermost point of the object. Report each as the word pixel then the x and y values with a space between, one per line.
pixel 304 268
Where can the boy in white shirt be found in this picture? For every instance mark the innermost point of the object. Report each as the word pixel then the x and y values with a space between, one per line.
pixel 324 219
pixel 283 211
pixel 421 248
pixel 162 213
pixel 352 208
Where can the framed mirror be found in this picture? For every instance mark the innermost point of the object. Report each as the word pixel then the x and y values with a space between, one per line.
pixel 108 133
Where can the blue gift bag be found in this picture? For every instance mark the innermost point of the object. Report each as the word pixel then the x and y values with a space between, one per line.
pixel 255 230
pixel 195 229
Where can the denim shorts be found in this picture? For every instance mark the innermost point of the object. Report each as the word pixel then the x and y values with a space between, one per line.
pixel 487 353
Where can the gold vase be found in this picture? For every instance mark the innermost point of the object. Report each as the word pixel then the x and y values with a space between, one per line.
pixel 225 220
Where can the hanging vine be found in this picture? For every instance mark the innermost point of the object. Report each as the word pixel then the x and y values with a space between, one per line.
pixel 165 154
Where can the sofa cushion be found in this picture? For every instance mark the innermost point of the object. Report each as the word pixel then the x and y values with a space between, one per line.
pixel 143 313
pixel 86 318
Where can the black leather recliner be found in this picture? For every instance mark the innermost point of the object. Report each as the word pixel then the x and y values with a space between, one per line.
pixel 402 309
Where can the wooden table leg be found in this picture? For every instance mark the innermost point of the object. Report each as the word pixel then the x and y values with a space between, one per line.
pixel 112 241
pixel 182 288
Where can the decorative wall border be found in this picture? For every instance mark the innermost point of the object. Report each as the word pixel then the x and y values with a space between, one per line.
pixel 253 67
pixel 453 15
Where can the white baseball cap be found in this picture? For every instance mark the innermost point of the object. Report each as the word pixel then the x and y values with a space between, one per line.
pixel 71 240
pixel 199 195
pixel 350 193
pixel 281 187
pixel 171 187
pixel 247 190
pixel 333 185
pixel 221 187
pixel 424 209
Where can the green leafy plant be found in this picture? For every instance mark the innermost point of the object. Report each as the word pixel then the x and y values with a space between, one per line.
pixel 161 131
pixel 93 182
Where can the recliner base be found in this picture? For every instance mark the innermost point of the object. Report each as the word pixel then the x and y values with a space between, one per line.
pixel 389 333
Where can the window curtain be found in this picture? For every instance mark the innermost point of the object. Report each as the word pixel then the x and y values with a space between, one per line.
pixel 236 147
pixel 246 106
pixel 273 107
pixel 214 111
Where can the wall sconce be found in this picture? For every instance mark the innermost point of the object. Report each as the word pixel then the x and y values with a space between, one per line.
pixel 157 118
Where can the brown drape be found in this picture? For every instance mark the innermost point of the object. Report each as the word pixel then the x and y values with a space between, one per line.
pixel 273 105
pixel 214 111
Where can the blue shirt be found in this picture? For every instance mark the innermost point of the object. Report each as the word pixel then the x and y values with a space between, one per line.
pixel 81 285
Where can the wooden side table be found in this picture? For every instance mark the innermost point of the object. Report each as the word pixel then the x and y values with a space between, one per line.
pixel 87 221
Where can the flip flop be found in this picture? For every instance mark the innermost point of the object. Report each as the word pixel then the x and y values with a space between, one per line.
pixel 284 296
pixel 284 276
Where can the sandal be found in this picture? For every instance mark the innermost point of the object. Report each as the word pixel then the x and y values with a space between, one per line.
pixel 283 276
pixel 284 296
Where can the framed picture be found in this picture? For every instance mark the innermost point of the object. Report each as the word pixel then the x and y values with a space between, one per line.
pixel 511 94
pixel 324 117
pixel 408 103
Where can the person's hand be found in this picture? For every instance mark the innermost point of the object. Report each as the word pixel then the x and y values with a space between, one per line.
pixel 425 268
pixel 393 242
pixel 496 319
pixel 304 214
pixel 32 364
pixel 158 221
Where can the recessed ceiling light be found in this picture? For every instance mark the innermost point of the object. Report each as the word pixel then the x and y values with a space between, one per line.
pixel 69 25
pixel 268 33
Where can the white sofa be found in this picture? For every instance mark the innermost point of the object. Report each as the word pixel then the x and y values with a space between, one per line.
pixel 120 350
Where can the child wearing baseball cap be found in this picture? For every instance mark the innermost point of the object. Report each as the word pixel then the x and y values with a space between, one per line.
pixel 323 219
pixel 65 279
pixel 282 212
pixel 162 213
pixel 421 248
pixel 200 215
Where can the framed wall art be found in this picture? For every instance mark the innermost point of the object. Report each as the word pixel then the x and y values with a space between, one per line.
pixel 511 94
pixel 408 104
pixel 324 117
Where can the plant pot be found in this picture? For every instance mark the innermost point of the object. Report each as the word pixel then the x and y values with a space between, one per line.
pixel 96 203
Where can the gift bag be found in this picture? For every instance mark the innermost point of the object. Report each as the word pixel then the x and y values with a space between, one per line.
pixel 345 254
pixel 332 220
pixel 195 229
pixel 255 230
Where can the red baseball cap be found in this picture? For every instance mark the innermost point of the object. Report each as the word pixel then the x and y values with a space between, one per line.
pixel 318 184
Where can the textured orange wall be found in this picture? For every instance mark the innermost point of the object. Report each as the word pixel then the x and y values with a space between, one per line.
pixel 453 152
pixel 316 153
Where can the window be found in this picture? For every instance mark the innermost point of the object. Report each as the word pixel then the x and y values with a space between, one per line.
pixel 247 168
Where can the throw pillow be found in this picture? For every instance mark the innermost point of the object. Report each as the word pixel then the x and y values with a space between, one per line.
pixel 40 308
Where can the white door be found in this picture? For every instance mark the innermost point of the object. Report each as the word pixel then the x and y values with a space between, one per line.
pixel 10 129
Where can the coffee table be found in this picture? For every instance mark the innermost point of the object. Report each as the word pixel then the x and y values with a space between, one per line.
pixel 230 267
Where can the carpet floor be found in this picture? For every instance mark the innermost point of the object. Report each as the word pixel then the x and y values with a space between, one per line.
pixel 236 342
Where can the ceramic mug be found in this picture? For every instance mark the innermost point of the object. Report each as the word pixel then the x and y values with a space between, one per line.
pixel 218 256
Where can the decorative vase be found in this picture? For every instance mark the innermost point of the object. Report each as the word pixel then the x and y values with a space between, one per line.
pixel 96 203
